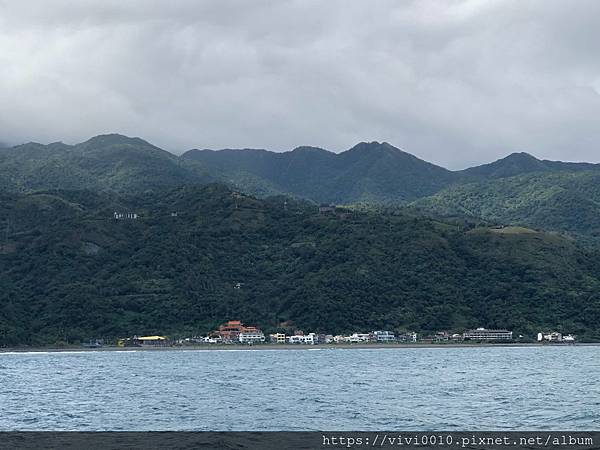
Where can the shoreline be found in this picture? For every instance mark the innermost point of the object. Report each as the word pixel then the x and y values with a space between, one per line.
pixel 258 347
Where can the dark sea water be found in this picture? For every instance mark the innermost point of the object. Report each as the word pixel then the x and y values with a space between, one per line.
pixel 503 388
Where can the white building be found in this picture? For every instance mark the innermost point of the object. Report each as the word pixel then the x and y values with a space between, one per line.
pixel 554 336
pixel 296 339
pixel 359 337
pixel 483 334
pixel 310 339
pixel 201 340
pixel 251 337
pixel 384 336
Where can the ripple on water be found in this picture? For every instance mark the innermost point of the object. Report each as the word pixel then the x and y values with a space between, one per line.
pixel 341 389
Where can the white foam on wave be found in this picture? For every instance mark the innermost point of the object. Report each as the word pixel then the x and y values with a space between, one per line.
pixel 61 352
pixel 29 353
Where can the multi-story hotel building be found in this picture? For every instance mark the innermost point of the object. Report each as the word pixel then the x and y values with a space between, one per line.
pixel 483 334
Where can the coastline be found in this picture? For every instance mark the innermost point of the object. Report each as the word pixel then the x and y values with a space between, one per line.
pixel 268 347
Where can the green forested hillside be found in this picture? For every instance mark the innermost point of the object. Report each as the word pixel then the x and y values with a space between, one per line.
pixel 69 271
pixel 371 172
pixel 368 172
pixel 103 163
pixel 523 163
pixel 561 201
pixel 516 190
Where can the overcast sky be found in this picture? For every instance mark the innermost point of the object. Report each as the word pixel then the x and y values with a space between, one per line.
pixel 453 82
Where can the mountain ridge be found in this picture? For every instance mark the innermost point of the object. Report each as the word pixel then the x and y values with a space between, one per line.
pixel 117 138
pixel 522 162
pixel 420 249
pixel 371 173
pixel 366 169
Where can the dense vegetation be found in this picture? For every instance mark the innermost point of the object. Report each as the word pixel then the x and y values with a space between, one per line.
pixel 562 201
pixel 107 163
pixel 417 250
pixel 368 172
pixel 70 272
pixel 518 189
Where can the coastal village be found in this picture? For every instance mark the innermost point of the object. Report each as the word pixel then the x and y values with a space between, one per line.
pixel 234 332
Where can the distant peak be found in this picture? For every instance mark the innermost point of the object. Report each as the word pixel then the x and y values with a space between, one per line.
pixel 378 150
pixel 514 164
pixel 115 139
pixel 515 158
pixel 374 146
pixel 524 156
pixel 108 136
pixel 309 149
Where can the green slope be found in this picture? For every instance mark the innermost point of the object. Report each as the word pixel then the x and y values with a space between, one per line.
pixel 561 201
pixel 108 162
pixel 516 190
pixel 69 271
pixel 521 164
pixel 371 172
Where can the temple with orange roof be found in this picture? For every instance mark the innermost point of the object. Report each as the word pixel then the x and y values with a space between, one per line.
pixel 236 331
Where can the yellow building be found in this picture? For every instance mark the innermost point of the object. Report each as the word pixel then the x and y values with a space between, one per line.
pixel 155 341
pixel 277 338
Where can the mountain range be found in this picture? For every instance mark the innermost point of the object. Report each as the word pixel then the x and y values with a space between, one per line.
pixel 366 172
pixel 115 236
pixel 516 190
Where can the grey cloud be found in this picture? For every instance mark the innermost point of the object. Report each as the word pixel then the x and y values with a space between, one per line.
pixel 453 82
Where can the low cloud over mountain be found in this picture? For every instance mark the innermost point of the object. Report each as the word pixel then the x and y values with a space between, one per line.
pixel 456 83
